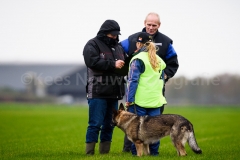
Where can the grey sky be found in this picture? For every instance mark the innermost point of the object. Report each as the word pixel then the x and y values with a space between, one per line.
pixel 205 33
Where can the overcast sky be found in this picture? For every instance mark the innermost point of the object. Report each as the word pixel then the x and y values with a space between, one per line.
pixel 205 33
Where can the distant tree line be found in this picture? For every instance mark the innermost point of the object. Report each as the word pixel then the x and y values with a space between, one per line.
pixel 221 89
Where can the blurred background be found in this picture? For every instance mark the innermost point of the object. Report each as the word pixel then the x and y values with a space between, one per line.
pixel 41 45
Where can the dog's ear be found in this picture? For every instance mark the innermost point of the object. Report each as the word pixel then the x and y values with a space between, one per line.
pixel 121 107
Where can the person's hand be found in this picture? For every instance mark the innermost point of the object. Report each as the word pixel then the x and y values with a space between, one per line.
pixel 165 76
pixel 119 64
pixel 127 104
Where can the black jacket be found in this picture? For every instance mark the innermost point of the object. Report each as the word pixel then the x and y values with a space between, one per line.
pixel 103 79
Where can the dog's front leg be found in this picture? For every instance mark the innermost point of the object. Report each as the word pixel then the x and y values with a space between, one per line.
pixel 146 149
pixel 139 148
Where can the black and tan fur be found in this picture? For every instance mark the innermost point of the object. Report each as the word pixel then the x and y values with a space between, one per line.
pixel 145 130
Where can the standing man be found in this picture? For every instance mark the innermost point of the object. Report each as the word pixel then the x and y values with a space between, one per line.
pixel 166 52
pixel 104 58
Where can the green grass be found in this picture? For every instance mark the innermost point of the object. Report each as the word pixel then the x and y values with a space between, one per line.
pixel 37 131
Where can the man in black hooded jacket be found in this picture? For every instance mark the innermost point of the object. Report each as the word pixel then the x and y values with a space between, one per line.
pixel 104 59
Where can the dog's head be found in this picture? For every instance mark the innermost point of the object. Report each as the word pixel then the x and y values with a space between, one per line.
pixel 117 114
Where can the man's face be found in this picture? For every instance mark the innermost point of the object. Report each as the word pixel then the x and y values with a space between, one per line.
pixel 112 36
pixel 152 24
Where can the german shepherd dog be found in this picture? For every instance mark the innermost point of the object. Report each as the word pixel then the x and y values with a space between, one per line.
pixel 145 130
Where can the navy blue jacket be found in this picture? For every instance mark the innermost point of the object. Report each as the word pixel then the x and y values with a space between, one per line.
pixel 166 50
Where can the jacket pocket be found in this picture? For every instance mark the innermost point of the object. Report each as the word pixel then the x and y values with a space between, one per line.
pixel 103 87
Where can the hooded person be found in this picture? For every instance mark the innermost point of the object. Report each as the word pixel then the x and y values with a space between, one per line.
pixel 103 57
pixel 109 27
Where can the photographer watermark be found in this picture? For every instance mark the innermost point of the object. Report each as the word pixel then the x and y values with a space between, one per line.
pixel 32 78
pixel 179 83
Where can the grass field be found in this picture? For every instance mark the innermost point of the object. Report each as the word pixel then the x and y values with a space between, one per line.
pixel 37 131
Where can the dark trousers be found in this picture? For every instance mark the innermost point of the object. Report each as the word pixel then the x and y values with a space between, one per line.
pixel 127 144
pixel 100 118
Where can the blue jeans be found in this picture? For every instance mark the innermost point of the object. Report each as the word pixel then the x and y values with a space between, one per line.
pixel 100 119
pixel 141 112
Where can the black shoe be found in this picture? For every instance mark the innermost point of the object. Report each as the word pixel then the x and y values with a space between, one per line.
pixel 126 150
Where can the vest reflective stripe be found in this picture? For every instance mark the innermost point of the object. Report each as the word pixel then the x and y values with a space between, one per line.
pixel 150 86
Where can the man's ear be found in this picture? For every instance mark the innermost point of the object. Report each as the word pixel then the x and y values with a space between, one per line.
pixel 121 107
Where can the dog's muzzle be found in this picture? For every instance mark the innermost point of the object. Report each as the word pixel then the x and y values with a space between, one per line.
pixel 113 123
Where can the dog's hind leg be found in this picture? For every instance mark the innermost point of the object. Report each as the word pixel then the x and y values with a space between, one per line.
pixel 180 148
pixel 179 139
pixel 139 148
pixel 146 149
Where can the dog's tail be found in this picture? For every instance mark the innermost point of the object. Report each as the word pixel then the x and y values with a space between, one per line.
pixel 193 143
